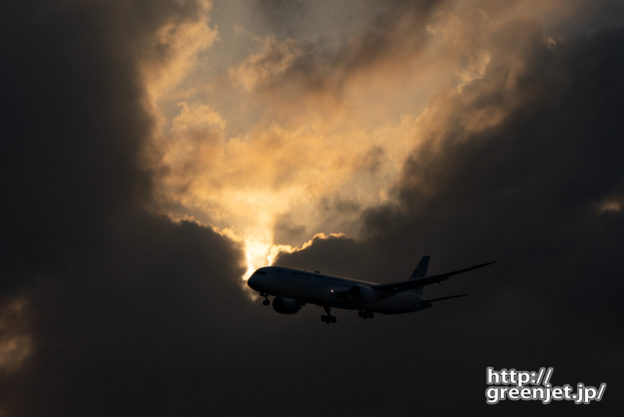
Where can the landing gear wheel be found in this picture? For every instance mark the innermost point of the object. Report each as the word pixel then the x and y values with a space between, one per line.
pixel 266 300
pixel 327 317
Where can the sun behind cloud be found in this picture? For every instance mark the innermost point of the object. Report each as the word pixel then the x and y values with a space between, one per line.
pixel 277 139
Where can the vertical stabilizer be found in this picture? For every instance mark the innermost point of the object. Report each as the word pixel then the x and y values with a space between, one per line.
pixel 421 268
pixel 420 271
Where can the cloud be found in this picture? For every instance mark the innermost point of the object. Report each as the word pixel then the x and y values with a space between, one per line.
pixel 98 291
pixel 293 68
pixel 303 145
pixel 110 307
pixel 610 206
pixel 521 187
pixel 287 231
pixel 334 117
pixel 259 68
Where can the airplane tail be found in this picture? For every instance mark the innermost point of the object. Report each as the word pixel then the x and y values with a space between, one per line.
pixel 420 271
pixel 421 268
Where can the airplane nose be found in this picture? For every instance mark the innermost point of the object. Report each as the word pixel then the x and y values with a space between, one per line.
pixel 250 282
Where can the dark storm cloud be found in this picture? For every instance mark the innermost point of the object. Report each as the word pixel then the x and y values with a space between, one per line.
pixel 73 126
pixel 525 192
pixel 131 314
pixel 117 306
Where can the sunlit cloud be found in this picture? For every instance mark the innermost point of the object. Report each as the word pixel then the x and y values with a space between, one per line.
pixel 611 206
pixel 271 61
pixel 297 137
pixel 15 342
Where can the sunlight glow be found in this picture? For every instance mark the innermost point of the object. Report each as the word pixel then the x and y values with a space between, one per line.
pixel 256 255
pixel 259 253
pixel 270 157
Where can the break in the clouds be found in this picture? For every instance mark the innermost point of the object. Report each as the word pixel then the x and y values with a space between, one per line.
pixel 286 106
pixel 299 121
pixel 154 151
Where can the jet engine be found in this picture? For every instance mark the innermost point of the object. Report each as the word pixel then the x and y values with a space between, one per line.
pixel 286 305
pixel 361 294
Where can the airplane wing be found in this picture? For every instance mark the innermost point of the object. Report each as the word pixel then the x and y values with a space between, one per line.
pixel 386 290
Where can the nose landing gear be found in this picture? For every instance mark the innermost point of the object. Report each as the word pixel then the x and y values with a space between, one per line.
pixel 327 318
pixel 266 300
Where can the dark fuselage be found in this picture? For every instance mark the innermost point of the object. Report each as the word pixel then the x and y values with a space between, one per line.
pixel 327 290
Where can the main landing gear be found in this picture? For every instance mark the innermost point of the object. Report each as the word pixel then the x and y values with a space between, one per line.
pixel 327 318
pixel 266 300
pixel 365 314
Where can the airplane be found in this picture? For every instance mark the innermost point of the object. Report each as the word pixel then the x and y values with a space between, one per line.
pixel 293 288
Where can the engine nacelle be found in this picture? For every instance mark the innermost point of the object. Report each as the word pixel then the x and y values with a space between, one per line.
pixel 286 305
pixel 361 294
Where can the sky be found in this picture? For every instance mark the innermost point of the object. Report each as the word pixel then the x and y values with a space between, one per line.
pixel 155 153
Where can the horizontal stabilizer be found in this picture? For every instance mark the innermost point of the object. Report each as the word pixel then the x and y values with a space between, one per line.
pixel 445 298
